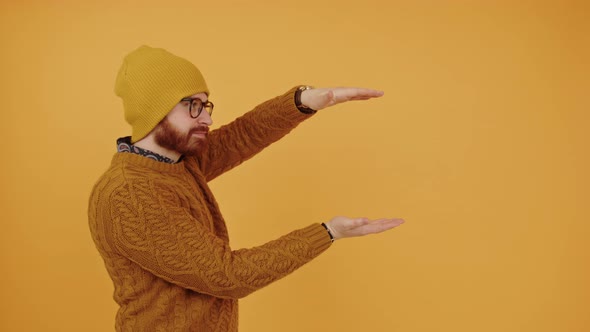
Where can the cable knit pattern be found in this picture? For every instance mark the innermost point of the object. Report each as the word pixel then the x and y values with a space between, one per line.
pixel 164 241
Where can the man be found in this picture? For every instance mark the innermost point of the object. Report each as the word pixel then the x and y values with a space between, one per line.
pixel 156 223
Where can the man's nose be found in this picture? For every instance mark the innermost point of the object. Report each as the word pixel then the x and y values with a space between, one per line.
pixel 205 118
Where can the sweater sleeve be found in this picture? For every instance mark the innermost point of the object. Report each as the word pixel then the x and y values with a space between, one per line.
pixel 170 243
pixel 249 134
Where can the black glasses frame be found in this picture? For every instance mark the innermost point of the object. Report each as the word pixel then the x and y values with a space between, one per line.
pixel 208 106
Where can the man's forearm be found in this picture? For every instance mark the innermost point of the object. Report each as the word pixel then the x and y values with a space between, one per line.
pixel 249 134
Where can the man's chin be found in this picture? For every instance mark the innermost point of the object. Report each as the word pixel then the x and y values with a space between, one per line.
pixel 196 147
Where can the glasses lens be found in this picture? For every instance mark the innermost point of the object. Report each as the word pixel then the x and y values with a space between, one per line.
pixel 196 107
pixel 209 107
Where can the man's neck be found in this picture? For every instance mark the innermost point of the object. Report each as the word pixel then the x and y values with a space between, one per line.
pixel 148 143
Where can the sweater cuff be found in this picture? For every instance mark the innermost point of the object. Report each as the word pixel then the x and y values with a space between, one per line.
pixel 318 237
pixel 289 111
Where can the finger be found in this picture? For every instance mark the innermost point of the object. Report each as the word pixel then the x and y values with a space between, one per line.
pixel 364 92
pixel 390 221
pixel 360 98
pixel 349 94
pixel 382 220
pixel 381 225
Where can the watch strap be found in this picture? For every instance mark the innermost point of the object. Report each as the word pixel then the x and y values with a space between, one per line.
pixel 302 108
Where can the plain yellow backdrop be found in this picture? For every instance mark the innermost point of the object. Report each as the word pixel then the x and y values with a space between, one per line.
pixel 480 143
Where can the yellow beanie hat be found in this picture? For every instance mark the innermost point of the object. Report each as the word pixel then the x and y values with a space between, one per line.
pixel 151 82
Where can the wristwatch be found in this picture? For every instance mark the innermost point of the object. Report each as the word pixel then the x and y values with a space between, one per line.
pixel 302 108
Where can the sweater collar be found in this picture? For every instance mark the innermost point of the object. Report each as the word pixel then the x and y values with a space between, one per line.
pixel 136 161
pixel 124 145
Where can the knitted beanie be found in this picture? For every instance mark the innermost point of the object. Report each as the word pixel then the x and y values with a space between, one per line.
pixel 151 82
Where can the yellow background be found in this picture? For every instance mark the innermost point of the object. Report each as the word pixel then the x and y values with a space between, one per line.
pixel 480 143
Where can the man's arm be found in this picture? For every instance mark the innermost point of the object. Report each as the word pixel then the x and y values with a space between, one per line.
pixel 169 242
pixel 240 140
pixel 249 134
pixel 166 240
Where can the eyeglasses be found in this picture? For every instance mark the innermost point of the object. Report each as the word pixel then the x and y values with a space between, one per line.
pixel 196 105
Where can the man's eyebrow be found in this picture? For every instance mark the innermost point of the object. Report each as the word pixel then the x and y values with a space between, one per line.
pixel 199 98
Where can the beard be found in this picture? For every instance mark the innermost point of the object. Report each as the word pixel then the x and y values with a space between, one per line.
pixel 187 144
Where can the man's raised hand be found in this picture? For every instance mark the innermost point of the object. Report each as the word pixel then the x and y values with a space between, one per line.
pixel 319 98
pixel 342 227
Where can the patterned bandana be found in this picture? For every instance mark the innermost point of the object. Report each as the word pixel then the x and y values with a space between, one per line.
pixel 124 145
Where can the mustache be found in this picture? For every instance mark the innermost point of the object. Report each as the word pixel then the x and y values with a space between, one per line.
pixel 199 130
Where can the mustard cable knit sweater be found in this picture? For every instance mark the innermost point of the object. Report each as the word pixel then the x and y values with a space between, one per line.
pixel 164 241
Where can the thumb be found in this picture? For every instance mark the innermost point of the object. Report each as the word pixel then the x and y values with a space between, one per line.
pixel 361 221
pixel 331 97
pixel 326 99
